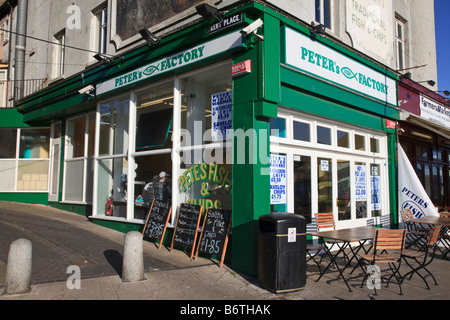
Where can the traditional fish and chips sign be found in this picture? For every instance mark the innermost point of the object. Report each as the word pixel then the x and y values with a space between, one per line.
pixel 207 175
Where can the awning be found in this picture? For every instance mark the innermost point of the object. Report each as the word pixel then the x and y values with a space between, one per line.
pixel 424 123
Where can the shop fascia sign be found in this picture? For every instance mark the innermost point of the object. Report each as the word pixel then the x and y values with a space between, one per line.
pixel 173 62
pixel 434 112
pixel 316 59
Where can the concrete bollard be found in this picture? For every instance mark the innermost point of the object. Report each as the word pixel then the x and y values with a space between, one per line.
pixel 18 269
pixel 133 258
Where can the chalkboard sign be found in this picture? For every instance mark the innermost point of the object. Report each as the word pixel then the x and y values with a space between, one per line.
pixel 157 219
pixel 186 228
pixel 214 236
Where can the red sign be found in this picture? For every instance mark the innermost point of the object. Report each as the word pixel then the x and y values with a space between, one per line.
pixel 241 68
pixel 390 124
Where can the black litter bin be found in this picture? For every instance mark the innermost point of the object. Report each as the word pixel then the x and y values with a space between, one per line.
pixel 282 252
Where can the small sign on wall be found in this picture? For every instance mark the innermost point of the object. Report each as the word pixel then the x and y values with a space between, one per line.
pixel 241 68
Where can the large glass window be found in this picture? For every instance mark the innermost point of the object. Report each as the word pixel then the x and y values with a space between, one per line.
pixel 205 168
pixel 152 159
pixel 342 170
pixel 325 185
pixel 344 202
pixel 112 168
pixel 78 164
pixel 168 141
pixel 24 159
pixel 8 141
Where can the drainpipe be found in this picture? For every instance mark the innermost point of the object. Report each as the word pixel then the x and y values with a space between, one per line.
pixel 22 8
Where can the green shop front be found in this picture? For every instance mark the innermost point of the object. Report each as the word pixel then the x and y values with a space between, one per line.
pixel 279 119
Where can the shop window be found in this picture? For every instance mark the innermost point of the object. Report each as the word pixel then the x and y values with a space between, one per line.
pixel 302 186
pixel 152 160
pixel 423 152
pixel 343 139
pixel 112 171
pixel 78 164
pixel 112 187
pixel 323 135
pixel 8 140
pixel 344 190
pixel 8 170
pixel 325 185
pixel 114 117
pixel 374 145
pixel 34 143
pixel 28 171
pixel 205 175
pixel 278 127
pixel 154 118
pixel 32 175
pixel 76 138
pixel 302 131
pixel 360 142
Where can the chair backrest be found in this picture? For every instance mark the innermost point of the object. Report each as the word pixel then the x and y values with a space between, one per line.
pixel 389 239
pixel 444 214
pixel 434 236
pixel 325 220
pixel 406 215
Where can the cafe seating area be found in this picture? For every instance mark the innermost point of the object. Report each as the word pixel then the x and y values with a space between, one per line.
pixel 372 258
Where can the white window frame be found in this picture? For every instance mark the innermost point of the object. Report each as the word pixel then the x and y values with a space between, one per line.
pixel 59 54
pixel 400 54
pixel 99 29
pixel 132 154
pixel 85 158
pixel 290 147
pixel 322 13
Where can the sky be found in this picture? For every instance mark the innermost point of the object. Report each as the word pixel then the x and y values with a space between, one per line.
pixel 442 11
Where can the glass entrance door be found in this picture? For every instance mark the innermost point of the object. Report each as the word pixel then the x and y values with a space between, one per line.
pixel 302 186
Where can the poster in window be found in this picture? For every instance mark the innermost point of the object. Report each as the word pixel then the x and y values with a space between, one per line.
pixel 221 117
pixel 376 193
pixel 360 183
pixel 277 179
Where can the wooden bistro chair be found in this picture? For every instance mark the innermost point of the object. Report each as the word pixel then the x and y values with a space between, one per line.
pixel 386 244
pixel 422 258
pixel 415 236
pixel 445 235
pixel 325 221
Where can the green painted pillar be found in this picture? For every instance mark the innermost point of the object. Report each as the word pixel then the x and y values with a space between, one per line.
pixel 254 102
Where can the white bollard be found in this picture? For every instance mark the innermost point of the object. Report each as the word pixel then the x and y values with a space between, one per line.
pixel 18 269
pixel 133 258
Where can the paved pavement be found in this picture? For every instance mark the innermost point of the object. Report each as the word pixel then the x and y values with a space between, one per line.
pixel 60 239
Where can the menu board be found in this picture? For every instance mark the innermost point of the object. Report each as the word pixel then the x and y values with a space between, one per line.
pixel 186 228
pixel 214 237
pixel 157 219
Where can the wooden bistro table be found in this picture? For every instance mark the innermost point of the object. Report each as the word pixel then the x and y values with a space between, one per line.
pixel 433 220
pixel 347 236
pixel 437 221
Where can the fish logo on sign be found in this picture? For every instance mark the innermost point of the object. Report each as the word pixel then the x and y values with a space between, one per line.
pixel 150 70
pixel 348 73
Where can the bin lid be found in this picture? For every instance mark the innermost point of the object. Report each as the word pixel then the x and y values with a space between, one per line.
pixel 281 222
pixel 282 217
